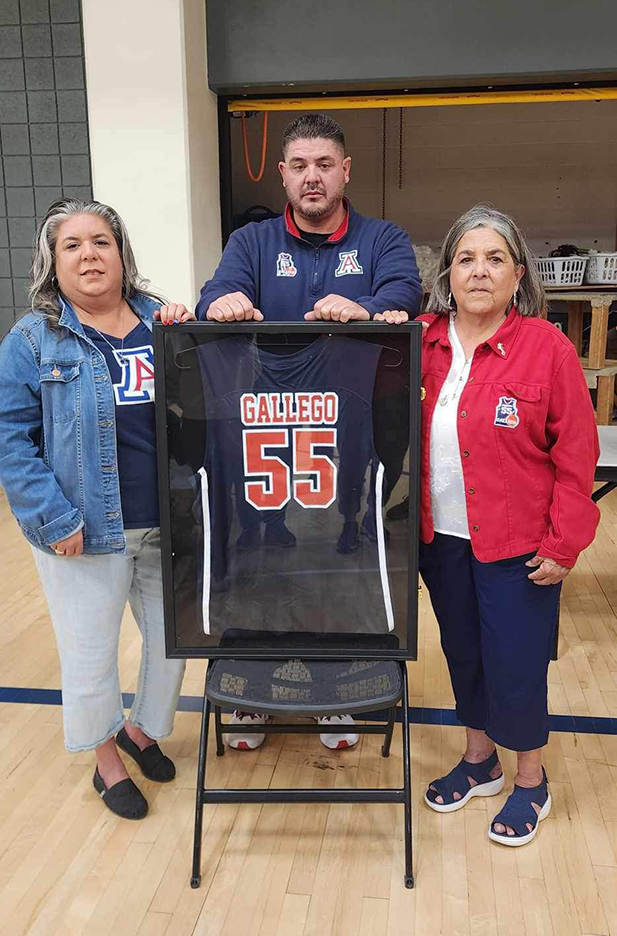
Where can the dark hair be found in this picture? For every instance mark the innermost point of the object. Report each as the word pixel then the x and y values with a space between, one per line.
pixel 313 127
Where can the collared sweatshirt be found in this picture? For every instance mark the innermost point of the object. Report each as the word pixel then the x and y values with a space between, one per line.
pixel 369 261
pixel 528 441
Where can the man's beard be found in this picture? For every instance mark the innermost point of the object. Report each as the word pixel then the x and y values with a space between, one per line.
pixel 314 212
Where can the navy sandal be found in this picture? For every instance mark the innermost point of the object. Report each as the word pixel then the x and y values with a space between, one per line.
pixel 457 782
pixel 518 811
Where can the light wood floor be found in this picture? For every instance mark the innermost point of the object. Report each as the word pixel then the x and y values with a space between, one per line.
pixel 68 867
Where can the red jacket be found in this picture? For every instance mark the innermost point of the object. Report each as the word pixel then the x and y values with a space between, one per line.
pixel 527 437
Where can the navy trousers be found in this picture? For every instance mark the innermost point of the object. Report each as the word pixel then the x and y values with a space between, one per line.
pixel 497 630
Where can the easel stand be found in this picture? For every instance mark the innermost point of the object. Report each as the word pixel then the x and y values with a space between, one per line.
pixel 348 795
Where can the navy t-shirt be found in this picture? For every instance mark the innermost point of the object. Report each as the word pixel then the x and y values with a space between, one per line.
pixel 133 384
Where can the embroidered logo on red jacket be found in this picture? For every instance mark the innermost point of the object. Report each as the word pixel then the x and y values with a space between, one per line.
pixel 506 413
pixel 348 263
pixel 285 265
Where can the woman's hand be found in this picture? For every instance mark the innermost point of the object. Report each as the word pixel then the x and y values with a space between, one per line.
pixel 71 546
pixel 548 572
pixel 173 313
pixel 391 317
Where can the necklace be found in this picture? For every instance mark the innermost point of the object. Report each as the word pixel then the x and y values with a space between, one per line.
pixel 443 399
pixel 453 386
pixel 118 353
pixel 457 389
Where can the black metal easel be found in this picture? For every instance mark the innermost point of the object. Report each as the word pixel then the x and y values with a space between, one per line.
pixel 347 795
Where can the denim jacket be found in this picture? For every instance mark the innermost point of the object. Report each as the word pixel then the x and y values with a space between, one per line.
pixel 58 460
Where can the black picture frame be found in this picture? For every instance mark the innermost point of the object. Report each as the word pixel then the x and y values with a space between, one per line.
pixel 386 647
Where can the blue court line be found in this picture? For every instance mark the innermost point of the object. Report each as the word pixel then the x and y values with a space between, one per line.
pixel 581 724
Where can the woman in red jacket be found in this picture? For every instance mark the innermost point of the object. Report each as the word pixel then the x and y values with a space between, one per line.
pixel 509 451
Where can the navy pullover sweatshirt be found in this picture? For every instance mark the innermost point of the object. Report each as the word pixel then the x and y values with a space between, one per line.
pixel 369 261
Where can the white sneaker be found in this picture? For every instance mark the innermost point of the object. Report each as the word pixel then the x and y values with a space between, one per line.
pixel 337 741
pixel 249 741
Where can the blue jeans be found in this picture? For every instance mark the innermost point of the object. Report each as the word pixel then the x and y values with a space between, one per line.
pixel 87 596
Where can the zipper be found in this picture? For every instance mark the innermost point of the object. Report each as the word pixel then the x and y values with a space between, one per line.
pixel 315 280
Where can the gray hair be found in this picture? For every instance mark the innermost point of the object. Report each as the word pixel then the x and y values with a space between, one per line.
pixel 530 299
pixel 44 293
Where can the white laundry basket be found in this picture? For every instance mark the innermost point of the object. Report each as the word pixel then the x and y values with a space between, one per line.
pixel 561 271
pixel 601 269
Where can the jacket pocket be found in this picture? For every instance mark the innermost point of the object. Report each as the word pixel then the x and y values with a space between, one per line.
pixel 59 390
pixel 518 406
pixel 529 394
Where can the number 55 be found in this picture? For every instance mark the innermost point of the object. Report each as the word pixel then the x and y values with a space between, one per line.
pixel 274 490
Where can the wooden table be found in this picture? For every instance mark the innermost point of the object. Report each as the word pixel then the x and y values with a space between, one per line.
pixel 600 299
pixel 603 380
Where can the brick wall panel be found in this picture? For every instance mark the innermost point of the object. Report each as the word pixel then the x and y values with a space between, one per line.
pixel 42 114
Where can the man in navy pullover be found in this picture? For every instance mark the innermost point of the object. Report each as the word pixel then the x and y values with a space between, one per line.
pixel 321 260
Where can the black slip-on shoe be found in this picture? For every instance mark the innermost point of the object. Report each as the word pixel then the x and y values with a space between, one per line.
pixel 123 798
pixel 154 764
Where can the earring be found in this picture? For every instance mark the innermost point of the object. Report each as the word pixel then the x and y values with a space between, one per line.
pixel 54 282
pixel 515 296
pixel 450 307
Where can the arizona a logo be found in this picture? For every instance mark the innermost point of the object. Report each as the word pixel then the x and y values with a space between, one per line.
pixel 285 265
pixel 348 263
pixel 137 381
pixel 506 413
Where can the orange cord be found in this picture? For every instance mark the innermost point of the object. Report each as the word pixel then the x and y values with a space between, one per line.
pixel 264 144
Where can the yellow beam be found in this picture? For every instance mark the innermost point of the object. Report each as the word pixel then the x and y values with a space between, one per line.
pixel 441 99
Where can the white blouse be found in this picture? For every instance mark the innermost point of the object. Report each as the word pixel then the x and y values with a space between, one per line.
pixel 447 487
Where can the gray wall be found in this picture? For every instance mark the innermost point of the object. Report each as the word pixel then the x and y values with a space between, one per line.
pixel 260 45
pixel 43 130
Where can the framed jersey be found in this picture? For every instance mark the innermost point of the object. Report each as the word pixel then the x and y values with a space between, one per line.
pixel 280 448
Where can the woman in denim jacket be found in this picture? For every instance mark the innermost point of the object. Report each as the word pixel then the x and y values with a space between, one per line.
pixel 78 464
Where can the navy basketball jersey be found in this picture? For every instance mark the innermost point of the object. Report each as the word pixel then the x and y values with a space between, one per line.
pixel 289 461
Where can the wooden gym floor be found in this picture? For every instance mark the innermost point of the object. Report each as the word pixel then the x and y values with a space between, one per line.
pixel 68 867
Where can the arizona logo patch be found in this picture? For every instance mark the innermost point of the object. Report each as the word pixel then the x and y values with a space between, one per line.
pixel 285 265
pixel 348 263
pixel 137 380
pixel 506 413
